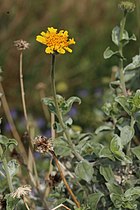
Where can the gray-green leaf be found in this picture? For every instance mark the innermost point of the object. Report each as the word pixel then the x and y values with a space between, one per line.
pixel 84 170
pixel 103 128
pixel 108 53
pixel 13 167
pixel 93 199
pixel 127 134
pixel 135 65
pixel 11 202
pixel 116 148
pixel 136 151
pixel 107 173
pixel 50 103
pixel 61 147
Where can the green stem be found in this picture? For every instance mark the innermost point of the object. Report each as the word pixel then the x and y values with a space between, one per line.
pixel 22 90
pixel 128 152
pixel 122 79
pixel 5 165
pixel 79 157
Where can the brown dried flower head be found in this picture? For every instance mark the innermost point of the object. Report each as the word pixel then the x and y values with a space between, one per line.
pixel 43 144
pixel 127 6
pixel 21 45
pixel 21 191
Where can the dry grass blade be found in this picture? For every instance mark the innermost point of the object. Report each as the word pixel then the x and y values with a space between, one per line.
pixel 61 205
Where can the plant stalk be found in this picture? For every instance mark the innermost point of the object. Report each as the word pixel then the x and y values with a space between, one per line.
pixel 37 186
pixel 79 157
pixel 128 152
pixel 122 79
pixel 64 180
pixel 22 90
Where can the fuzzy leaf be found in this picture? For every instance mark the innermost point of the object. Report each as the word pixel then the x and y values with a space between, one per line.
pixel 116 148
pixel 113 188
pixel 11 202
pixel 69 121
pixel 4 140
pixel 135 65
pixel 50 103
pixel 136 99
pixel 115 84
pixel 57 127
pixel 105 153
pixel 84 170
pixel 107 173
pixel 116 199
pixel 136 151
pixel 124 103
pixel 13 167
pixel 126 135
pixel 7 143
pixel 108 53
pixel 71 100
pixel 93 199
pixel 132 193
pixel 61 147
pixel 103 128
pixel 116 35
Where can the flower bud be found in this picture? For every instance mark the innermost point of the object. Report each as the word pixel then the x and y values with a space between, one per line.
pixel 127 6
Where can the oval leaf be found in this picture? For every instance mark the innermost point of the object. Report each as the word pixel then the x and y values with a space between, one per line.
pixel 109 53
pixel 84 170
pixel 107 173
pixel 93 199
pixel 127 134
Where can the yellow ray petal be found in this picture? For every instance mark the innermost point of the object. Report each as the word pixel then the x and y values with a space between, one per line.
pixel 41 39
pixel 52 30
pixel 68 49
pixel 61 51
pixel 49 50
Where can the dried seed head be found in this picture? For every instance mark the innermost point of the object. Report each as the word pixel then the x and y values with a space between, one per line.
pixel 21 191
pixel 43 144
pixel 127 6
pixel 21 45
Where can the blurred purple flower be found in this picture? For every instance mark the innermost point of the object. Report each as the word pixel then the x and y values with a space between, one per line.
pixel 41 122
pixel 47 133
pixel 7 127
pixel 14 113
pixel 83 93
pixel 98 92
pixel 73 112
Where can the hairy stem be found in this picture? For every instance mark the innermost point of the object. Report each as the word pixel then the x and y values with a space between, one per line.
pixel 59 115
pixel 122 79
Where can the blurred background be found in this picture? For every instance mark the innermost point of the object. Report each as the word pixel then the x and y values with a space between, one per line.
pixel 83 73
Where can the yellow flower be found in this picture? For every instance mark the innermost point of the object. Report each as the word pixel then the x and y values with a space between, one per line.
pixel 56 42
